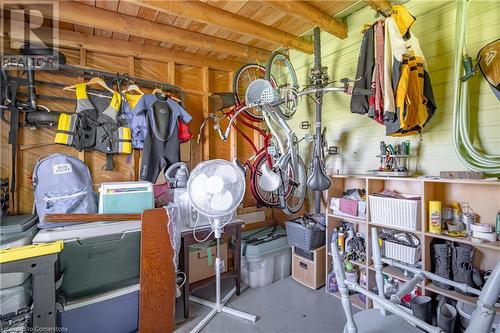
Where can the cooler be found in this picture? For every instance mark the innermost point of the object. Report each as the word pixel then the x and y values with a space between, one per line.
pixel 264 259
pixel 112 312
pixel 97 257
pixel 15 298
pixel 16 230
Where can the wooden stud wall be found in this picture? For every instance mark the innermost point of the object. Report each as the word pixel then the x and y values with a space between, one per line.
pixel 198 83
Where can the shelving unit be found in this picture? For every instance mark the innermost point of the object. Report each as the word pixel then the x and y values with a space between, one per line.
pixel 482 195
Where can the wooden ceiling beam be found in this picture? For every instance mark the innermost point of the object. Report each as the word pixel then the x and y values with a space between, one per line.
pixel 77 40
pixel 313 15
pixel 383 5
pixel 201 12
pixel 81 14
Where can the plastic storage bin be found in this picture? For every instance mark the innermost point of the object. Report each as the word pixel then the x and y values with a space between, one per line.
pixel 266 262
pixel 97 257
pixel 15 298
pixel 406 254
pixel 112 312
pixel 401 213
pixel 16 230
pixel 305 238
pixel 465 311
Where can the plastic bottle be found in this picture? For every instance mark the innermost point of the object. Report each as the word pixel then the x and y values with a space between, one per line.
pixel 341 240
pixel 435 217
pixel 350 236
pixel 333 241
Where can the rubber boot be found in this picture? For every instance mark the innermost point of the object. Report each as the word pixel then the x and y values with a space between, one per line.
pixel 441 261
pixel 422 308
pixel 446 317
pixel 463 257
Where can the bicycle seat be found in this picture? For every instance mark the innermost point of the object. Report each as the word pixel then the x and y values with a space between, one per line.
pixel 219 101
pixel 318 180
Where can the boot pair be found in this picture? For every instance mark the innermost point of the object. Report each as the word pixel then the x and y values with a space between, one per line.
pixel 453 262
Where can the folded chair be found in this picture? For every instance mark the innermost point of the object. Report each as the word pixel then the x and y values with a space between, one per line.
pixel 398 320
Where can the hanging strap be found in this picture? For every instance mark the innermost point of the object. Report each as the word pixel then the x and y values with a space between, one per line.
pixel 13 134
pixel 109 162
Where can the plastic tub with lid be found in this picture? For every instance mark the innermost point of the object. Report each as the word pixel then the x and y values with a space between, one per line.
pixel 116 311
pixel 16 230
pixel 265 256
pixel 97 257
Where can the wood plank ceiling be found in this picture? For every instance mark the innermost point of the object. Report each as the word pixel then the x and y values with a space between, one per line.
pixel 232 31
pixel 264 13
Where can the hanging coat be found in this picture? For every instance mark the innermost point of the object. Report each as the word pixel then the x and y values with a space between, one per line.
pixel 408 97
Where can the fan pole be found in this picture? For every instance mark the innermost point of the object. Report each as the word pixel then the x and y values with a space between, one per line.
pixel 217 276
pixel 219 304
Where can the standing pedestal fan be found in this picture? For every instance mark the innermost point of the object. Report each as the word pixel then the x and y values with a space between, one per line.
pixel 215 189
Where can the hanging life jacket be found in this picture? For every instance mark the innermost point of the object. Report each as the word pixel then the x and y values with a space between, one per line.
pixel 89 129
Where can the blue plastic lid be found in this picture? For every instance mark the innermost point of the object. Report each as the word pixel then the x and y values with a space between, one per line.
pixel 264 248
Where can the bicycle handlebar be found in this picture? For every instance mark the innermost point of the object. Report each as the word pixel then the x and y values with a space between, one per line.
pixel 223 134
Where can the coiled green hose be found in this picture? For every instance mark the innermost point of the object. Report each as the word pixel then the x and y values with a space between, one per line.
pixel 469 155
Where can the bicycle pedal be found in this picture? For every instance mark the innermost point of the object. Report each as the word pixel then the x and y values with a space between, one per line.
pixel 305 125
pixel 333 150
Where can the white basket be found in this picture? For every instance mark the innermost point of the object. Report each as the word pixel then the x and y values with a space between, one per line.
pixel 399 252
pixel 401 213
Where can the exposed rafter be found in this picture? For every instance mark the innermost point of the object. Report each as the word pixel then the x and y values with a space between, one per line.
pixel 202 12
pixel 308 13
pixel 77 40
pixel 85 15
pixel 382 5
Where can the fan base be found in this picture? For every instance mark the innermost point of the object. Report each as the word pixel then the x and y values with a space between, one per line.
pixel 216 308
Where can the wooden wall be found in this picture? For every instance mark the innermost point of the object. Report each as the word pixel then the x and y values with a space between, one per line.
pixel 197 82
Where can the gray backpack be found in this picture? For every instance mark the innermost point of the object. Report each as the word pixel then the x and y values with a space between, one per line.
pixel 62 184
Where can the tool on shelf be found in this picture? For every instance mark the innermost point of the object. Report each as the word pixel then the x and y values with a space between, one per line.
pixel 394 160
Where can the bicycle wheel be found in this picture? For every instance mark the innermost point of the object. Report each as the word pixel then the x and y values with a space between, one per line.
pixel 264 198
pixel 244 76
pixel 294 186
pixel 42 118
pixel 280 71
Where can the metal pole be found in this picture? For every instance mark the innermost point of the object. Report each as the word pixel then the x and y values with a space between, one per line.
pixel 377 263
pixel 319 106
pixel 484 315
pixel 338 268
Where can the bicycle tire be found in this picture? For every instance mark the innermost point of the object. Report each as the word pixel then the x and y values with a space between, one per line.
pixel 243 77
pixel 264 198
pixel 296 194
pixel 42 118
pixel 280 71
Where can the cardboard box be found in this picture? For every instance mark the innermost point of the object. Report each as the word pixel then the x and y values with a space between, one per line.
pixel 202 260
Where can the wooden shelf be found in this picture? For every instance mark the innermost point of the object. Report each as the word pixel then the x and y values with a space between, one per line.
pixel 354 298
pixel 480 194
pixel 349 218
pixel 393 272
pixel 466 240
pixel 426 180
pixel 451 294
pixel 417 232
pixel 454 295
pixel 356 263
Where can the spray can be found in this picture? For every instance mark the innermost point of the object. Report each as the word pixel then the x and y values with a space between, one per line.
pixel 435 217
pixel 341 240
pixel 350 236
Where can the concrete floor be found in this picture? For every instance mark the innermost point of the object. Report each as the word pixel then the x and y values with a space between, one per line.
pixel 284 306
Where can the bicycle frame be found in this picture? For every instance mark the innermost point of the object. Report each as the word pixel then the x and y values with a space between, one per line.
pixel 233 113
